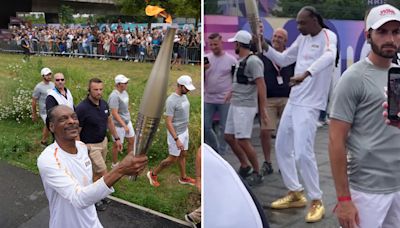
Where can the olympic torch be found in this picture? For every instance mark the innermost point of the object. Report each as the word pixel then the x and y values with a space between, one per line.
pixel 153 100
pixel 254 20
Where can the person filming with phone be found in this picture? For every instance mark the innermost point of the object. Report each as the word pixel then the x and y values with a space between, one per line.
pixel 363 150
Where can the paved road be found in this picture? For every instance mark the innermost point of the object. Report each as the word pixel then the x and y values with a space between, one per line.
pixel 273 187
pixel 24 205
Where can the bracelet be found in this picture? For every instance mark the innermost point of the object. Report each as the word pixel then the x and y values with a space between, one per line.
pixel 176 139
pixel 341 199
pixel 116 139
pixel 344 198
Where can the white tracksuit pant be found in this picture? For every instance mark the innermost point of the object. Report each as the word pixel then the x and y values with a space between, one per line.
pixel 295 146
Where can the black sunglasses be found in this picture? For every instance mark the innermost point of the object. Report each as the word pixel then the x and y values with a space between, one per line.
pixel 60 79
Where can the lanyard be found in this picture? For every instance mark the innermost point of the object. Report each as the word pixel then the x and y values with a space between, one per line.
pixel 278 69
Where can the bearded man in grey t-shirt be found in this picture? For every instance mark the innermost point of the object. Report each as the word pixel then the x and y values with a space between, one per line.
pixel 39 96
pixel 177 109
pixel 247 98
pixel 364 152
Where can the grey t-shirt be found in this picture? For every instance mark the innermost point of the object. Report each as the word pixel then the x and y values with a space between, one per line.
pixel 178 107
pixel 40 93
pixel 246 95
pixel 121 102
pixel 373 147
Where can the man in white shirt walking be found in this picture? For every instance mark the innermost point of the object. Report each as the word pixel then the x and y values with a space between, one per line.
pixel 314 52
pixel 60 95
pixel 66 172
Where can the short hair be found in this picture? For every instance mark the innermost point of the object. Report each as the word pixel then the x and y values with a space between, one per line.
pixel 50 117
pixel 214 35
pixel 94 80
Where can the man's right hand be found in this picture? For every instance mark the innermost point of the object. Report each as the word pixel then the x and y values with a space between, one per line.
pixel 179 145
pixel 34 117
pixel 264 45
pixel 126 129
pixel 132 165
pixel 347 214
pixel 228 97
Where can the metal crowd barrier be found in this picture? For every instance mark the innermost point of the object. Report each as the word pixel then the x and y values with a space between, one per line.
pixel 96 50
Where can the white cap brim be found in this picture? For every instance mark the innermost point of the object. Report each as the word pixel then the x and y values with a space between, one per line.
pixel 231 40
pixel 383 21
pixel 190 87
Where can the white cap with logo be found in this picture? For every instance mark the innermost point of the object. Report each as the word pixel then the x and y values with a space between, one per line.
pixel 186 81
pixel 121 79
pixel 241 36
pixel 45 71
pixel 379 15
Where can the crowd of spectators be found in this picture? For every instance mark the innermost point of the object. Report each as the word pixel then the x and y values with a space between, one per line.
pixel 138 44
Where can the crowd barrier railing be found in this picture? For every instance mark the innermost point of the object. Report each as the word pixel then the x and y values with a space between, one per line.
pixel 138 53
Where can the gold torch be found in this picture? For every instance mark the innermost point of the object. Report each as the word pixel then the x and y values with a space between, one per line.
pixel 254 20
pixel 153 100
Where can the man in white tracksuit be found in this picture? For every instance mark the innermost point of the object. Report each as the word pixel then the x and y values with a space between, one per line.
pixel 314 52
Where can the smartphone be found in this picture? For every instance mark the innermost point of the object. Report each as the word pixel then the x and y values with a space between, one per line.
pixel 206 60
pixel 393 93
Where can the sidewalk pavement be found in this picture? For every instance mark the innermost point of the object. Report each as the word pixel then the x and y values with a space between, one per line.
pixel 273 187
pixel 24 205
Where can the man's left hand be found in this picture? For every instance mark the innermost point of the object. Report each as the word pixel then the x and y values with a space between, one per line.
pixel 297 79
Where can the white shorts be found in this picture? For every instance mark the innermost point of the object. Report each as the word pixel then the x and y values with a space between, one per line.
pixel 377 210
pixel 122 134
pixel 43 116
pixel 172 148
pixel 240 121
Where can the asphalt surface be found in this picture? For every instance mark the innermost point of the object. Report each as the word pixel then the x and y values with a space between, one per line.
pixel 272 187
pixel 24 205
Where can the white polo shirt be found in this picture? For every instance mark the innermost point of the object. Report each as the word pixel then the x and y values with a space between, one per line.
pixel 67 181
pixel 227 203
pixel 315 54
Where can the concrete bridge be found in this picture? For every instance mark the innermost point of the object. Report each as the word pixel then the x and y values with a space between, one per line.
pixel 51 8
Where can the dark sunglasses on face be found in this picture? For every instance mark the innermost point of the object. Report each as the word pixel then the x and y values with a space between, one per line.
pixel 60 79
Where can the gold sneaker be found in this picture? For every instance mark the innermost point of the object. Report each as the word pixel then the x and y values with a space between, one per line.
pixel 291 200
pixel 316 211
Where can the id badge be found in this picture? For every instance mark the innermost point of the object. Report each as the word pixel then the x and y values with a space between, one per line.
pixel 279 79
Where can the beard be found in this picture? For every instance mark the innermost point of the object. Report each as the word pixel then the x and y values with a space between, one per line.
pixel 385 54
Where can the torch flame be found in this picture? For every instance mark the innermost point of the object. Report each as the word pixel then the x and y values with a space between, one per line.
pixel 158 11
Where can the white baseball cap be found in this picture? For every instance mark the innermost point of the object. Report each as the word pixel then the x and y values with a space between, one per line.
pixel 241 36
pixel 186 81
pixel 379 15
pixel 45 71
pixel 121 79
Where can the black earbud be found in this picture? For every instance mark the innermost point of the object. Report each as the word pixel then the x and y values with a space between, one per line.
pixel 369 38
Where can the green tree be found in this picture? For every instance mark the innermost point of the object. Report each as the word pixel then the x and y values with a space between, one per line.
pixel 177 8
pixel 211 7
pixel 329 9
pixel 65 14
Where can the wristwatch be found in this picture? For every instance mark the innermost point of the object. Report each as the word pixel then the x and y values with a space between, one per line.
pixel 116 139
pixel 176 139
